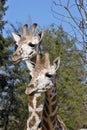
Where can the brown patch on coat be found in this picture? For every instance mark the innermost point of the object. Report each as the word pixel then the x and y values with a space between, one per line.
pixel 30 101
pixel 38 102
pixel 39 114
pixel 32 122
pixel 46 125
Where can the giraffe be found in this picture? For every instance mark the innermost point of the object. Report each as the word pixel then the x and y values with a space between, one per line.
pixel 27 44
pixel 35 107
pixel 27 48
pixel 43 80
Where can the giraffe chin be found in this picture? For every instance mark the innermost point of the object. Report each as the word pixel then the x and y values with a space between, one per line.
pixel 16 61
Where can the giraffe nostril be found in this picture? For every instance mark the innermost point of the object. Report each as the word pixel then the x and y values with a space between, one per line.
pixel 30 86
pixel 14 55
pixel 31 89
pixel 21 51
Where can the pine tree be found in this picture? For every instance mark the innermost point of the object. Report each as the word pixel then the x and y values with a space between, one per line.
pixel 70 81
pixel 70 78
pixel 3 58
pixel 3 9
pixel 7 88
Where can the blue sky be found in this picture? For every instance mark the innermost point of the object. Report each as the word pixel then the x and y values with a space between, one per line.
pixel 38 11
pixel 23 11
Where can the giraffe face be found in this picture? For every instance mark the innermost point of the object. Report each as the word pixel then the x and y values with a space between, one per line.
pixel 42 78
pixel 27 44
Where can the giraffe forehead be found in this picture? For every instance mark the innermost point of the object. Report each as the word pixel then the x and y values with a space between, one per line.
pixel 25 40
pixel 38 73
pixel 28 39
pixel 40 69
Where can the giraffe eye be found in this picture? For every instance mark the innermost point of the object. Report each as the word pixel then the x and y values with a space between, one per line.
pixel 31 45
pixel 16 46
pixel 48 75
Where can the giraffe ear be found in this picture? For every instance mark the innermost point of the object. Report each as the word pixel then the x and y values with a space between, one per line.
pixel 16 37
pixel 40 34
pixel 37 39
pixel 56 63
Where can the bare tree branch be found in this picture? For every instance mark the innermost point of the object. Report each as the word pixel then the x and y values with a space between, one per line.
pixel 74 14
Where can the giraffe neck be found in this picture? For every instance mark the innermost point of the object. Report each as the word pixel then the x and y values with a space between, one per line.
pixel 35 108
pixel 35 112
pixel 50 120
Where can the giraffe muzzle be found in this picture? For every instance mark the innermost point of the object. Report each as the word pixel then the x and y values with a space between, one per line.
pixel 16 59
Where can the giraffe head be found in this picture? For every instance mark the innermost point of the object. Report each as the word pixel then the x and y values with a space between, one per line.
pixel 42 75
pixel 27 44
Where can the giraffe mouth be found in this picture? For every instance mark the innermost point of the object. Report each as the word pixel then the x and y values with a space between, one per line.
pixel 16 61
pixel 31 89
pixel 30 93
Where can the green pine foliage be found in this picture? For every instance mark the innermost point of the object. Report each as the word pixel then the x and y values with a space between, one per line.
pixel 72 92
pixel 13 101
pixel 3 9
pixel 14 114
